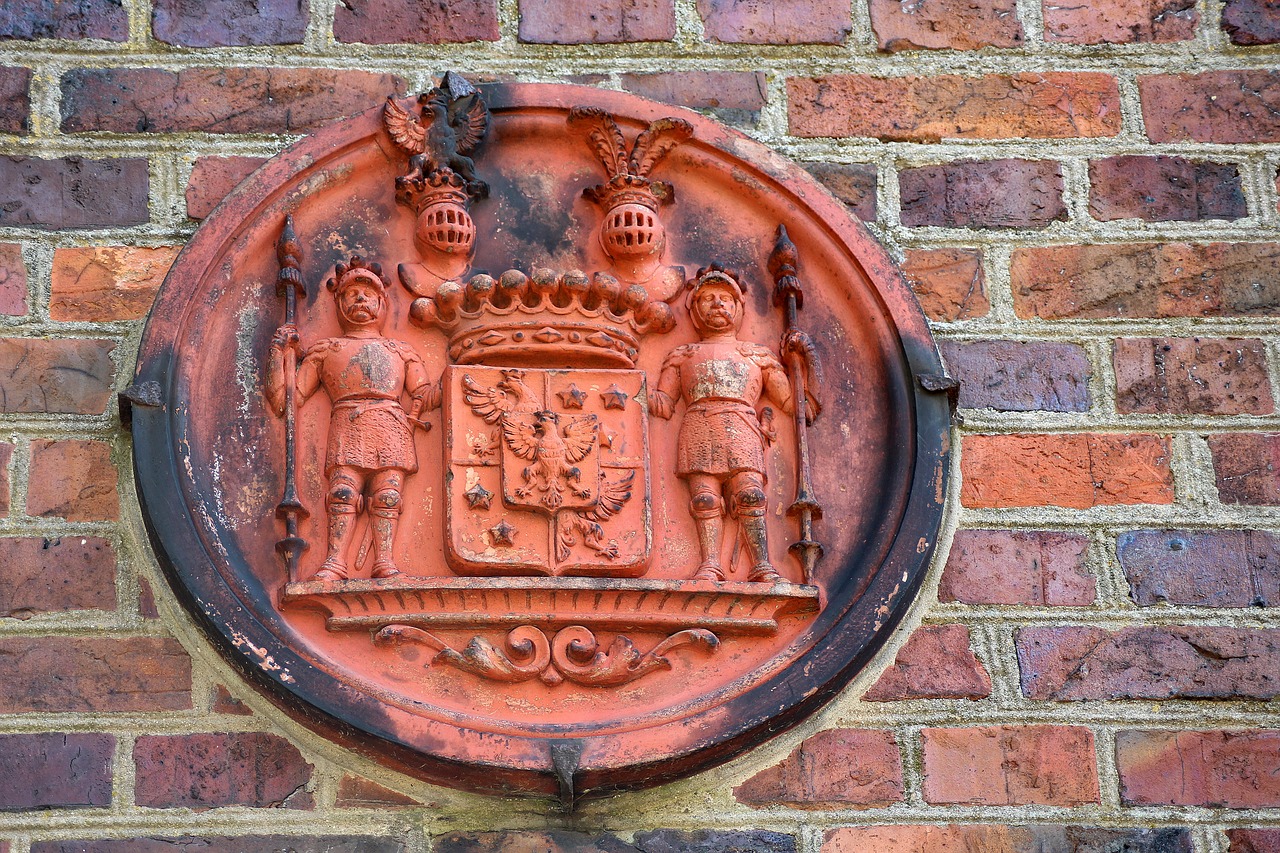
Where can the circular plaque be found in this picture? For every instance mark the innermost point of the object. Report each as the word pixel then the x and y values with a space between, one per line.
pixel 539 438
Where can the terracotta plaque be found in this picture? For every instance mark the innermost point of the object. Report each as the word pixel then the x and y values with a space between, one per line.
pixel 540 439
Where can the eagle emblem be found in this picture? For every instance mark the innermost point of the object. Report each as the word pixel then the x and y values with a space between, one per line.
pixel 454 120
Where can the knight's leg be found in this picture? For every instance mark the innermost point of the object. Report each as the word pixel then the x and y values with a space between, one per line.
pixel 385 489
pixel 749 504
pixel 341 503
pixel 708 515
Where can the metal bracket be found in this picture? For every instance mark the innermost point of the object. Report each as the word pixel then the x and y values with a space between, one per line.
pixel 145 394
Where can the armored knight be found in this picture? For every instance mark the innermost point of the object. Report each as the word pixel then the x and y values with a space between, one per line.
pixel 370 448
pixel 721 448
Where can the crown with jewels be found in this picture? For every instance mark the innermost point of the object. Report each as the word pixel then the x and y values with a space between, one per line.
pixel 543 320
pixel 418 191
pixel 628 171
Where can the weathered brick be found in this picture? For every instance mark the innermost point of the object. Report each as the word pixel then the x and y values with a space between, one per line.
pixel 223 844
pixel 1164 189
pixel 1010 765
pixel 983 194
pixel 64 19
pixel 212 178
pixel 55 771
pixel 776 22
pixel 1146 280
pixel 1214 106
pixel 65 376
pixel 224 703
pixel 936 663
pixel 837 768
pixel 72 479
pixel 357 792
pixel 416 21
pixel 1245 466
pixel 1254 840
pixel 953 838
pixel 217 100
pixel 1068 470
pixel 948 282
pixel 1251 22
pixel 203 771
pixel 946 24
pixel 6 455
pixel 94 675
pixel 1217 568
pixel 1218 769
pixel 1017 567
pixel 596 21
pixel 1205 376
pixel 15 99
pixel 702 90
pixel 48 575
pixel 216 23
pixel 927 109
pixel 98 283
pixel 1019 377
pixel 656 841
pixel 146 600
pixel 714 841
pixel 1120 21
pixel 13 280
pixel 852 183
pixel 73 192
pixel 1149 662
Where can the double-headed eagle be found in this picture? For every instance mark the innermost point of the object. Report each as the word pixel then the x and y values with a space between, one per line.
pixel 454 120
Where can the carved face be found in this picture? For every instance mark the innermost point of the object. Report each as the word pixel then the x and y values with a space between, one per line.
pixel 717 308
pixel 360 304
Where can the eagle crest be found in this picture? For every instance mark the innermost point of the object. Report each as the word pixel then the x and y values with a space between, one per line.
pixel 454 119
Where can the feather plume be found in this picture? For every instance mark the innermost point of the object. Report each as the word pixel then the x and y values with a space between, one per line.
pixel 605 135
pixel 656 142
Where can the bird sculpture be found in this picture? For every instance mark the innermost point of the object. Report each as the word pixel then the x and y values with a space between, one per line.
pixel 454 119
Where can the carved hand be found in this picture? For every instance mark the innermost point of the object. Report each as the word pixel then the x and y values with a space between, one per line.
pixel 797 345
pixel 286 338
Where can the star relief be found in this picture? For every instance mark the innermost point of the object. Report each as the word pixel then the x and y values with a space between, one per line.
pixel 572 397
pixel 614 397
pixel 478 497
pixel 503 534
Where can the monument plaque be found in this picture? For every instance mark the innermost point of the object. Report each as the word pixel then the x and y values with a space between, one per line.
pixel 540 439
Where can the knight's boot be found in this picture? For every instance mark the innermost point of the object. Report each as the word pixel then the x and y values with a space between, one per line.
pixel 757 541
pixel 709 519
pixel 342 523
pixel 384 518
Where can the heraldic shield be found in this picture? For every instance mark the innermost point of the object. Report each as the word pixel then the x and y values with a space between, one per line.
pixel 546 471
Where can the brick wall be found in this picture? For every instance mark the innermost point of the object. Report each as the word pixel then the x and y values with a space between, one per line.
pixel 1083 195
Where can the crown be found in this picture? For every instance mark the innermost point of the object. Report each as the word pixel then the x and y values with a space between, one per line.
pixel 543 320
pixel 417 190
pixel 358 270
pixel 628 171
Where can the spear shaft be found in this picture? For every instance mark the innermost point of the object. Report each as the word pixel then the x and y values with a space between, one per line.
pixel 289 284
pixel 789 295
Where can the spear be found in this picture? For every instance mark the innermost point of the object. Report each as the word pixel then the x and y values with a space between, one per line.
pixel 789 296
pixel 289 285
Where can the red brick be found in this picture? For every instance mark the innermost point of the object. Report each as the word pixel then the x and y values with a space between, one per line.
pixel 65 376
pixel 1254 840
pixel 1218 769
pixel 936 663
pixel 1164 189
pixel 945 24
pixel 416 21
pixel 203 771
pixel 1251 22
pixel 1017 567
pixel 1120 21
pixel 357 792
pixel 213 178
pixel 58 674
pixel 852 183
pixel 13 280
pixel 838 768
pixel 6 455
pixel 710 841
pixel 1215 106
pixel 217 100
pixel 596 21
pixel 55 771
pixel 15 101
pixel 98 283
pixel 1245 465
pixel 702 90
pixel 1149 662
pixel 216 23
pixel 1019 377
pixel 49 575
pixel 1146 280
pixel 1068 470
pixel 72 479
pixel 224 703
pixel 927 109
pixel 73 192
pixel 1215 568
pixel 222 844
pixel 952 838
pixel 64 19
pixel 983 194
pixel 948 282
pixel 1206 376
pixel 146 600
pixel 775 22
pixel 1010 766
pixel 656 841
